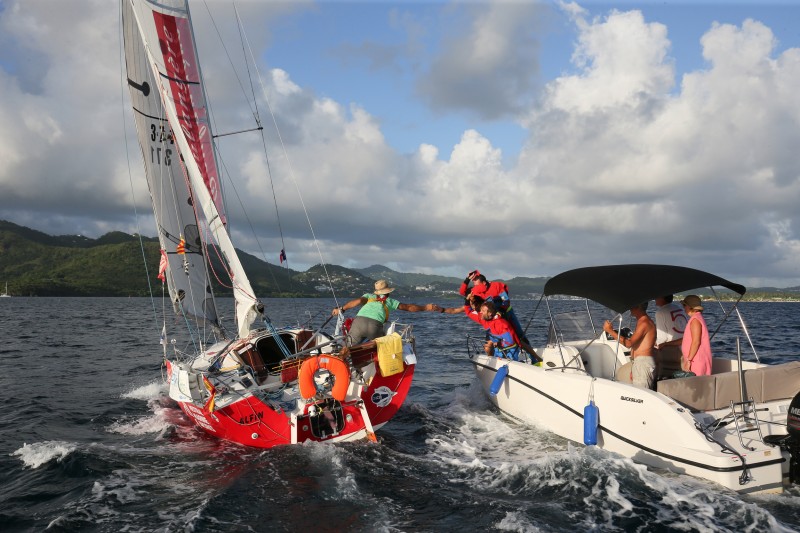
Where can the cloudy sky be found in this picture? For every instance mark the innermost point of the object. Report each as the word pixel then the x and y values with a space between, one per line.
pixel 520 138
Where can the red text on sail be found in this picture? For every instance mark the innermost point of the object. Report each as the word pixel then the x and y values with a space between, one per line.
pixel 183 76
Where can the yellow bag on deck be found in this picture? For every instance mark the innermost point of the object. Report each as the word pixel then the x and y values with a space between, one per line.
pixel 390 354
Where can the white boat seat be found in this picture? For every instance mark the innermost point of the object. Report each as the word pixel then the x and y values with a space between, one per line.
pixel 707 393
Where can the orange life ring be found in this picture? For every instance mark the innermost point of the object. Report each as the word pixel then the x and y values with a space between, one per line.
pixel 334 365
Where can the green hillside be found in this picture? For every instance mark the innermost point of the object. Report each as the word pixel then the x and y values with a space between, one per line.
pixel 36 264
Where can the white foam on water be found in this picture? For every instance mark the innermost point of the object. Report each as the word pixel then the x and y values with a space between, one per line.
pixel 39 453
pixel 157 422
pixel 117 488
pixel 498 455
pixel 344 478
pixel 140 426
pixel 151 391
pixel 482 439
pixel 789 501
pixel 518 522
pixel 684 502
pixel 339 482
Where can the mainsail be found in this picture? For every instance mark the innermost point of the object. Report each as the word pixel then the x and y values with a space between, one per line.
pixel 171 112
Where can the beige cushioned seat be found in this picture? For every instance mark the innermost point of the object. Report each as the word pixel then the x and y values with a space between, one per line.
pixel 706 393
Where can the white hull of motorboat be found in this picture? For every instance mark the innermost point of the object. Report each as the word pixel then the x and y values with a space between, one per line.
pixel 644 425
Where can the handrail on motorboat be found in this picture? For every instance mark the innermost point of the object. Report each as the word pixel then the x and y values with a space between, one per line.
pixel 562 368
pixel 709 435
pixel 741 321
pixel 533 315
pixel 475 347
pixel 747 334
pixel 591 318
pixel 583 322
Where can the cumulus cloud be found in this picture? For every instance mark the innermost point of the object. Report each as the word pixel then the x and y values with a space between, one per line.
pixel 488 62
pixel 647 173
pixel 626 160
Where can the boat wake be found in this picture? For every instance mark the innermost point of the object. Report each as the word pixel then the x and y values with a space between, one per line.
pixel 540 479
pixel 158 422
pixel 150 391
pixel 40 453
pixel 162 417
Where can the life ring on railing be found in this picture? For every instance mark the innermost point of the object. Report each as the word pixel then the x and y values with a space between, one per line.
pixel 334 365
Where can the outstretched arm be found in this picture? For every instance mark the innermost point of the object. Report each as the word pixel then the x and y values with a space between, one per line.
pixel 414 308
pixel 349 305
pixel 458 310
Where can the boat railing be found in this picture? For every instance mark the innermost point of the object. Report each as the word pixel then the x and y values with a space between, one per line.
pixel 404 330
pixel 562 357
pixel 475 347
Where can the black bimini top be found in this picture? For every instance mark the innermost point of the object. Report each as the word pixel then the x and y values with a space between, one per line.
pixel 620 287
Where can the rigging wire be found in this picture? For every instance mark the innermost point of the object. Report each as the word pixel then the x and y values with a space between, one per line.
pixel 291 170
pixel 254 108
pixel 256 116
pixel 242 38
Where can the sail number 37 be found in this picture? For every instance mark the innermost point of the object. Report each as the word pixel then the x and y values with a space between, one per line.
pixel 159 155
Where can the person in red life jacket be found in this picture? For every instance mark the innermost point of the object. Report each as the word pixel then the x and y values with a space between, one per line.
pixel 501 339
pixel 497 292
pixel 374 312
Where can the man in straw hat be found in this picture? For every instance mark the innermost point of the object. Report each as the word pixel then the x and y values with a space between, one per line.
pixel 374 312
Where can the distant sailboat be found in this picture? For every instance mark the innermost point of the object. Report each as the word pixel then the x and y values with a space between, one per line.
pixel 5 292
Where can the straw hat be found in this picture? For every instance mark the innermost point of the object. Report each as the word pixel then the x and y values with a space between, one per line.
pixel 382 287
pixel 693 302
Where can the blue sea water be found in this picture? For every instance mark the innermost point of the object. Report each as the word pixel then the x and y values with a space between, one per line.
pixel 90 442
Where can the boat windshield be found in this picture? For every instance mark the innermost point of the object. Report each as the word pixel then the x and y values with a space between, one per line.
pixel 570 326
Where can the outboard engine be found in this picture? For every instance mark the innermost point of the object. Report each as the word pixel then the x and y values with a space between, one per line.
pixel 793 429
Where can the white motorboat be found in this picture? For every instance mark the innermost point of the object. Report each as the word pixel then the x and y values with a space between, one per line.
pixel 739 426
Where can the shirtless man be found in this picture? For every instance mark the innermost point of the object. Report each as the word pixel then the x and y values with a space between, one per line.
pixel 642 345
